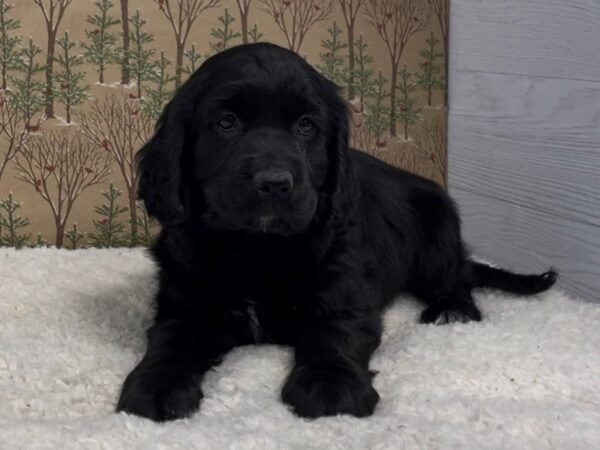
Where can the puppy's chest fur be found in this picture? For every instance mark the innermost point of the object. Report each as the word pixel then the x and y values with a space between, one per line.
pixel 269 319
pixel 259 319
pixel 269 295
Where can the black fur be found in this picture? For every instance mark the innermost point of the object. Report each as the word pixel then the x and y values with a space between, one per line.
pixel 311 265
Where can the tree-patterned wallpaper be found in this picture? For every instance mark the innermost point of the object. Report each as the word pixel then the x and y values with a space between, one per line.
pixel 82 83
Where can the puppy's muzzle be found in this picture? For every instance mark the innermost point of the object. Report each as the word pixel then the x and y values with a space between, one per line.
pixel 274 184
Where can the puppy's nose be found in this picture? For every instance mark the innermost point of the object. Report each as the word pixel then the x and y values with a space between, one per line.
pixel 276 183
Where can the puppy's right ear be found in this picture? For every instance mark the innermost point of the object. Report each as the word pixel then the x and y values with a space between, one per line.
pixel 159 167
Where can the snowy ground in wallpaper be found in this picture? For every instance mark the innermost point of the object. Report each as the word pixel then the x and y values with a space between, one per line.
pixel 72 327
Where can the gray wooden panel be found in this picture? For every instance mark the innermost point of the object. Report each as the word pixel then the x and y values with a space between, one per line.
pixel 531 141
pixel 552 38
pixel 524 133
pixel 528 240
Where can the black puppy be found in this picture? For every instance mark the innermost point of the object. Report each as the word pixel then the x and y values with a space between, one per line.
pixel 275 231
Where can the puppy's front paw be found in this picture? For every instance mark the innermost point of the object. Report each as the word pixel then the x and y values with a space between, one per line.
pixel 159 394
pixel 328 389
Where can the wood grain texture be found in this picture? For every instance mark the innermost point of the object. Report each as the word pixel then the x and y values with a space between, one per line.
pixel 528 240
pixel 524 134
pixel 553 38
pixel 531 141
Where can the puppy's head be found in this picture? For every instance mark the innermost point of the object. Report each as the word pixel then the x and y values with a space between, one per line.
pixel 256 141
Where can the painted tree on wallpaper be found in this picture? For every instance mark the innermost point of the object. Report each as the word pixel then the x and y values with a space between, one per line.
pixel 59 168
pixel 102 47
pixel 377 117
pixel 363 84
pixel 74 238
pixel 12 131
pixel 140 56
pixel 12 224
pixel 110 231
pixel 29 94
pixel 125 40
pixel 371 123
pixel 182 14
pixel 69 89
pixel 295 18
pixel 53 12
pixel 255 34
pixel 351 10
pixel 158 93
pixel 397 21
pixel 333 61
pixel 408 113
pixel 193 58
pixel 429 76
pixel 244 10
pixel 19 105
pixel 224 34
pixel 440 11
pixel 9 45
pixel 115 125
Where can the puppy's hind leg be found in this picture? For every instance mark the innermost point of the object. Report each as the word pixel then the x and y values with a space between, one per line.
pixel 445 306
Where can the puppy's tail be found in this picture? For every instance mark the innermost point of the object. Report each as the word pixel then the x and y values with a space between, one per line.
pixel 487 276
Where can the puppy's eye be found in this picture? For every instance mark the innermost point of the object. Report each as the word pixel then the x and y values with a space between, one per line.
pixel 228 124
pixel 305 126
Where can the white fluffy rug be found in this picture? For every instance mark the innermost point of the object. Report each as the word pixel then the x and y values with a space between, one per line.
pixel 72 326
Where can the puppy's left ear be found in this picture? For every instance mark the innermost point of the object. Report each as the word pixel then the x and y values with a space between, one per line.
pixel 159 167
pixel 343 182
